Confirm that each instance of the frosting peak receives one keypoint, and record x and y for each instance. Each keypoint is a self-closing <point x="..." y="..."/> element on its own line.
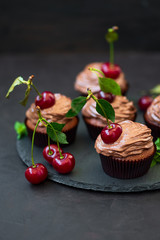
<point x="134" y="140"/>
<point x="153" y="111"/>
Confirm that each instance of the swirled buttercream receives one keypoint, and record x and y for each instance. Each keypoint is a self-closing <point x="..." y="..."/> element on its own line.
<point x="56" y="113"/>
<point x="87" y="79"/>
<point x="124" y="110"/>
<point x="153" y="111"/>
<point x="134" y="141"/>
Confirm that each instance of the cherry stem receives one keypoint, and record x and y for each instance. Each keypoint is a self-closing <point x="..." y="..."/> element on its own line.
<point x="49" y="143"/>
<point x="111" y="49"/>
<point x="44" y="120"/>
<point x="33" y="164"/>
<point x="96" y="70"/>
<point x="31" y="83"/>
<point x="90" y="95"/>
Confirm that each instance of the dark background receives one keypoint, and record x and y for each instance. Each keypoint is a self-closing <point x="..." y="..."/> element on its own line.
<point x="77" y="26"/>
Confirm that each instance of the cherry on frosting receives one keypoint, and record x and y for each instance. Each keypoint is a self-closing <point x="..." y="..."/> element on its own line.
<point x="46" y="100"/>
<point x="107" y="96"/>
<point x="36" y="174"/>
<point x="144" y="102"/>
<point x="64" y="165"/>
<point x="50" y="155"/>
<point x="110" y="135"/>
<point x="111" y="71"/>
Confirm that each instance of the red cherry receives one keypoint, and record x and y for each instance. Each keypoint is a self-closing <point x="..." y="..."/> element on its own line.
<point x="144" y="102"/>
<point x="36" y="175"/>
<point x="47" y="100"/>
<point x="111" y="71"/>
<point x="107" y="96"/>
<point x="64" y="165"/>
<point x="54" y="150"/>
<point x="110" y="135"/>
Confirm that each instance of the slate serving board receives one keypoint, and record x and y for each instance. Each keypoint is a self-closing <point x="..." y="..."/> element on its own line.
<point x="88" y="172"/>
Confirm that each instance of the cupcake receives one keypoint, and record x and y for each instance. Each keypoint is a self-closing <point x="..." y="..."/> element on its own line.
<point x="87" y="79"/>
<point x="130" y="155"/>
<point x="152" y="117"/>
<point x="124" y="110"/>
<point x="55" y="113"/>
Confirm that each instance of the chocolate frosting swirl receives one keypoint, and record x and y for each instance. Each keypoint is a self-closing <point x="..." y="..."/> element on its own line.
<point x="87" y="79"/>
<point x="56" y="113"/>
<point x="134" y="140"/>
<point x="124" y="110"/>
<point x="153" y="111"/>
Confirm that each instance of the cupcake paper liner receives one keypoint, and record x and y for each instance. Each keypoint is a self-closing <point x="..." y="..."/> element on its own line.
<point x="123" y="169"/>
<point x="41" y="139"/>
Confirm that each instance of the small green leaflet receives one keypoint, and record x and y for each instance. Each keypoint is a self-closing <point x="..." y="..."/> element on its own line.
<point x="24" y="101"/>
<point x="54" y="132"/>
<point x="20" y="129"/>
<point x="76" y="106"/>
<point x="156" y="158"/>
<point x="104" y="108"/>
<point x="17" y="81"/>
<point x="109" y="85"/>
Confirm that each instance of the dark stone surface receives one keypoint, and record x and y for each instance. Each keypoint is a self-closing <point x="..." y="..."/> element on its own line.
<point x="88" y="173"/>
<point x="52" y="210"/>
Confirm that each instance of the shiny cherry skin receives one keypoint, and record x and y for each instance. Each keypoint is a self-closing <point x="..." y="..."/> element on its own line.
<point x="47" y="100"/>
<point x="54" y="150"/>
<point x="144" y="102"/>
<point x="110" y="135"/>
<point x="107" y="96"/>
<point x="111" y="72"/>
<point x="64" y="165"/>
<point x="36" y="175"/>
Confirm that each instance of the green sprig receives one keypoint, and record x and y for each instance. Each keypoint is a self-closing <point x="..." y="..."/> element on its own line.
<point x="20" y="129"/>
<point x="156" y="158"/>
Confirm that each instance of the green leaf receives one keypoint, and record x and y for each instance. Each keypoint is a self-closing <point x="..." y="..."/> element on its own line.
<point x="153" y="163"/>
<point x="56" y="135"/>
<point x="76" y="106"/>
<point x="16" y="82"/>
<point x="155" y="90"/>
<point x="109" y="85"/>
<point x="157" y="142"/>
<point x="111" y="36"/>
<point x="24" y="101"/>
<point x="20" y="129"/>
<point x="104" y="108"/>
<point x="57" y="126"/>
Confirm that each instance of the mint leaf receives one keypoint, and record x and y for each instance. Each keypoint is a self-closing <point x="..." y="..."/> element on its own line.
<point x="16" y="82"/>
<point x="104" y="108"/>
<point x="157" y="142"/>
<point x="56" y="135"/>
<point x="20" y="129"/>
<point x="76" y="106"/>
<point x="156" y="158"/>
<point x="109" y="85"/>
<point x="153" y="163"/>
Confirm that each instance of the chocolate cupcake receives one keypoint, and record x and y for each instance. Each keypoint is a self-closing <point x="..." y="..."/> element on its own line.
<point x="55" y="113"/>
<point x="124" y="110"/>
<point x="87" y="79"/>
<point x="131" y="155"/>
<point x="152" y="117"/>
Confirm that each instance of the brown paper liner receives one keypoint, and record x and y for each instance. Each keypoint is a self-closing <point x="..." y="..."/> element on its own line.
<point x="155" y="128"/>
<point x="124" y="169"/>
<point x="41" y="139"/>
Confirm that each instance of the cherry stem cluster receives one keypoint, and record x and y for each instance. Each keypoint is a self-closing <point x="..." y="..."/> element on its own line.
<point x="31" y="83"/>
<point x="45" y="123"/>
<point x="90" y="95"/>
